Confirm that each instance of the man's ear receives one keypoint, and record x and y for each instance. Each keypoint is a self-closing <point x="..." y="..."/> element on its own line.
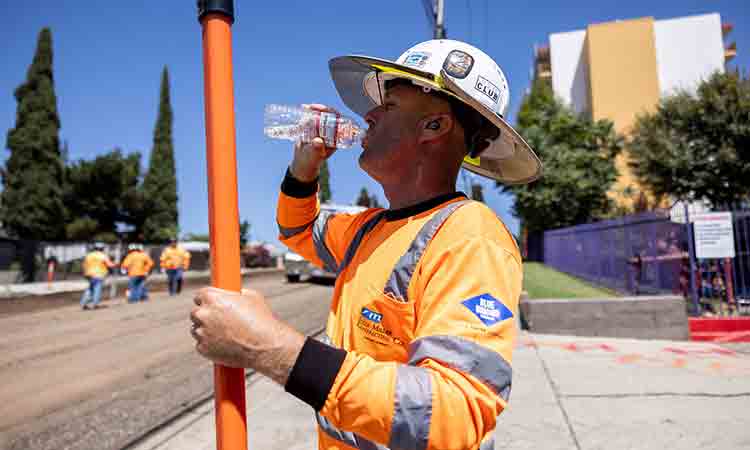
<point x="435" y="126"/>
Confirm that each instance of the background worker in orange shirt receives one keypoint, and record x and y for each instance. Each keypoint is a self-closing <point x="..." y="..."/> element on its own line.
<point x="421" y="328"/>
<point x="138" y="265"/>
<point x="175" y="260"/>
<point x="96" y="266"/>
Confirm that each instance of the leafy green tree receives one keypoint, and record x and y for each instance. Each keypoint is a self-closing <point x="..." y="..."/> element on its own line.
<point x="579" y="164"/>
<point x="367" y="200"/>
<point x="31" y="204"/>
<point x="102" y="193"/>
<point x="81" y="229"/>
<point x="159" y="190"/>
<point x="697" y="146"/>
<point x="325" y="183"/>
<point x="363" y="199"/>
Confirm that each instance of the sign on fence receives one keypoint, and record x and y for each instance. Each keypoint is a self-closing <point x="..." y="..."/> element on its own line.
<point x="714" y="235"/>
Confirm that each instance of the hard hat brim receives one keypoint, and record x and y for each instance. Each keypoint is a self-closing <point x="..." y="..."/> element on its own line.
<point x="509" y="159"/>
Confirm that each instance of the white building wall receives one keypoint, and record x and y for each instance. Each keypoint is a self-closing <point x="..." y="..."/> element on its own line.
<point x="569" y="69"/>
<point x="688" y="50"/>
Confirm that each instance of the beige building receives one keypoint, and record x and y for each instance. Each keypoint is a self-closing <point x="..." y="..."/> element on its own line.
<point x="618" y="70"/>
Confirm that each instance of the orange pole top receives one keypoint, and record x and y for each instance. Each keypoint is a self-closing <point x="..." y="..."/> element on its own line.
<point x="216" y="19"/>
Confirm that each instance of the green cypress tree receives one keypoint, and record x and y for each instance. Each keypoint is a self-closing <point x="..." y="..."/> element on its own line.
<point x="32" y="197"/>
<point x="324" y="180"/>
<point x="160" y="183"/>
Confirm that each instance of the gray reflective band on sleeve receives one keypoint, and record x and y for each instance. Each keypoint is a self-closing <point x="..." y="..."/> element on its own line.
<point x="341" y="436"/>
<point x="289" y="232"/>
<point x="346" y="437"/>
<point x="480" y="362"/>
<point x="412" y="409"/>
<point x="319" y="234"/>
<point x="398" y="283"/>
<point x="354" y="245"/>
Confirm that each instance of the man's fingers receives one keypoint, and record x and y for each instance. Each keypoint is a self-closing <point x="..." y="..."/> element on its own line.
<point x="198" y="299"/>
<point x="194" y="316"/>
<point x="208" y="295"/>
<point x="196" y="332"/>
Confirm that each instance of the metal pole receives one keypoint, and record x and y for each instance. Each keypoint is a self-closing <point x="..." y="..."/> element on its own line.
<point x="691" y="254"/>
<point x="440" y="20"/>
<point x="216" y="18"/>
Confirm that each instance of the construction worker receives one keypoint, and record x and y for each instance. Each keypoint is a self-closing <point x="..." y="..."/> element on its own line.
<point x="96" y="266"/>
<point x="138" y="265"/>
<point x="421" y="327"/>
<point x="175" y="260"/>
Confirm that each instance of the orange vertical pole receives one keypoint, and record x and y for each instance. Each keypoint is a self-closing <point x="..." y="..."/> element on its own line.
<point x="216" y="18"/>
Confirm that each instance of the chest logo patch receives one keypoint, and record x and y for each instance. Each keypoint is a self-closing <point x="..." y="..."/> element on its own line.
<point x="371" y="315"/>
<point x="488" y="309"/>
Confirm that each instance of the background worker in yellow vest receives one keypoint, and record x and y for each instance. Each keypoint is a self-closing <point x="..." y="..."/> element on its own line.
<point x="96" y="266"/>
<point x="137" y="264"/>
<point x="174" y="260"/>
<point x="421" y="326"/>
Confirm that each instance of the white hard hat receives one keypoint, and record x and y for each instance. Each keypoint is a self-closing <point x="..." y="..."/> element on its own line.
<point x="99" y="245"/>
<point x="459" y="70"/>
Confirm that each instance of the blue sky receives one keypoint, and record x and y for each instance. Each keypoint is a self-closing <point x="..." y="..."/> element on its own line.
<point x="109" y="57"/>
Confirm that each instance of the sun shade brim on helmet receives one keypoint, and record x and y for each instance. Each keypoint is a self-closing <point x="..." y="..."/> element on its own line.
<point x="351" y="74"/>
<point x="508" y="159"/>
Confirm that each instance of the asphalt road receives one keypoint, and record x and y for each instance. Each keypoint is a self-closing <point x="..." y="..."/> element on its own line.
<point x="76" y="379"/>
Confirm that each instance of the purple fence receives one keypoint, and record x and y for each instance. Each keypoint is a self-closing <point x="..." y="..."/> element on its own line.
<point x="648" y="254"/>
<point x="636" y="254"/>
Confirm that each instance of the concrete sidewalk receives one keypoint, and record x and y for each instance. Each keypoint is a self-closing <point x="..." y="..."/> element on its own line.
<point x="568" y="393"/>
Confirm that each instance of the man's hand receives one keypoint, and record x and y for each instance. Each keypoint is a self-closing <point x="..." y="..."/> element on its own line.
<point x="239" y="330"/>
<point x="309" y="157"/>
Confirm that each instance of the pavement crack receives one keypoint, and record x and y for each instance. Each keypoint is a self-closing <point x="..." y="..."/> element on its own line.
<point x="660" y="394"/>
<point x="558" y="399"/>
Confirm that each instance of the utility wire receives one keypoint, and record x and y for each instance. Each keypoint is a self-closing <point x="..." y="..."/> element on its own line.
<point x="429" y="11"/>
<point x="486" y="24"/>
<point x="470" y="19"/>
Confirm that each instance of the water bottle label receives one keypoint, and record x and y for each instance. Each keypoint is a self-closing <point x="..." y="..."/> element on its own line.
<point x="327" y="127"/>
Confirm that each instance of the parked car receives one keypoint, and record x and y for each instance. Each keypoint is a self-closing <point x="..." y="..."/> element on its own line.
<point x="298" y="268"/>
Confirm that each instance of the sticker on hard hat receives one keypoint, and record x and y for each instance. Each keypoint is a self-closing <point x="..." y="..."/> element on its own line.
<point x="484" y="86"/>
<point x="488" y="309"/>
<point x="417" y="59"/>
<point x="458" y="64"/>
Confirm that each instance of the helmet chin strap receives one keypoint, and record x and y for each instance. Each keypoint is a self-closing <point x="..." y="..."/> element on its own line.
<point x="380" y="92"/>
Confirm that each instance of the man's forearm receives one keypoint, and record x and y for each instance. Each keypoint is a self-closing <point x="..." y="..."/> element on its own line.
<point x="277" y="362"/>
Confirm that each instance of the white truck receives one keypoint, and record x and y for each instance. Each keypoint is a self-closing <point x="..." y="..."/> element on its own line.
<point x="298" y="268"/>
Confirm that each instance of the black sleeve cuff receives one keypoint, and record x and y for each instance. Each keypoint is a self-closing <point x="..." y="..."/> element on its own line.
<point x="296" y="188"/>
<point x="314" y="372"/>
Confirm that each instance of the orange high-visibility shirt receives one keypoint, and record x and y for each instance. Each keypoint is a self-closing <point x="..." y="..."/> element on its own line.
<point x="137" y="264"/>
<point x="95" y="264"/>
<point x="421" y="326"/>
<point x="175" y="258"/>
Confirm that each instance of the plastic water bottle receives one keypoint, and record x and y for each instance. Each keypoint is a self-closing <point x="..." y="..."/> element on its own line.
<point x="299" y="123"/>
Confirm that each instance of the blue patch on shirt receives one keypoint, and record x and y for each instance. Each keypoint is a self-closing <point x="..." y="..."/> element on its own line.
<point x="371" y="315"/>
<point x="488" y="309"/>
